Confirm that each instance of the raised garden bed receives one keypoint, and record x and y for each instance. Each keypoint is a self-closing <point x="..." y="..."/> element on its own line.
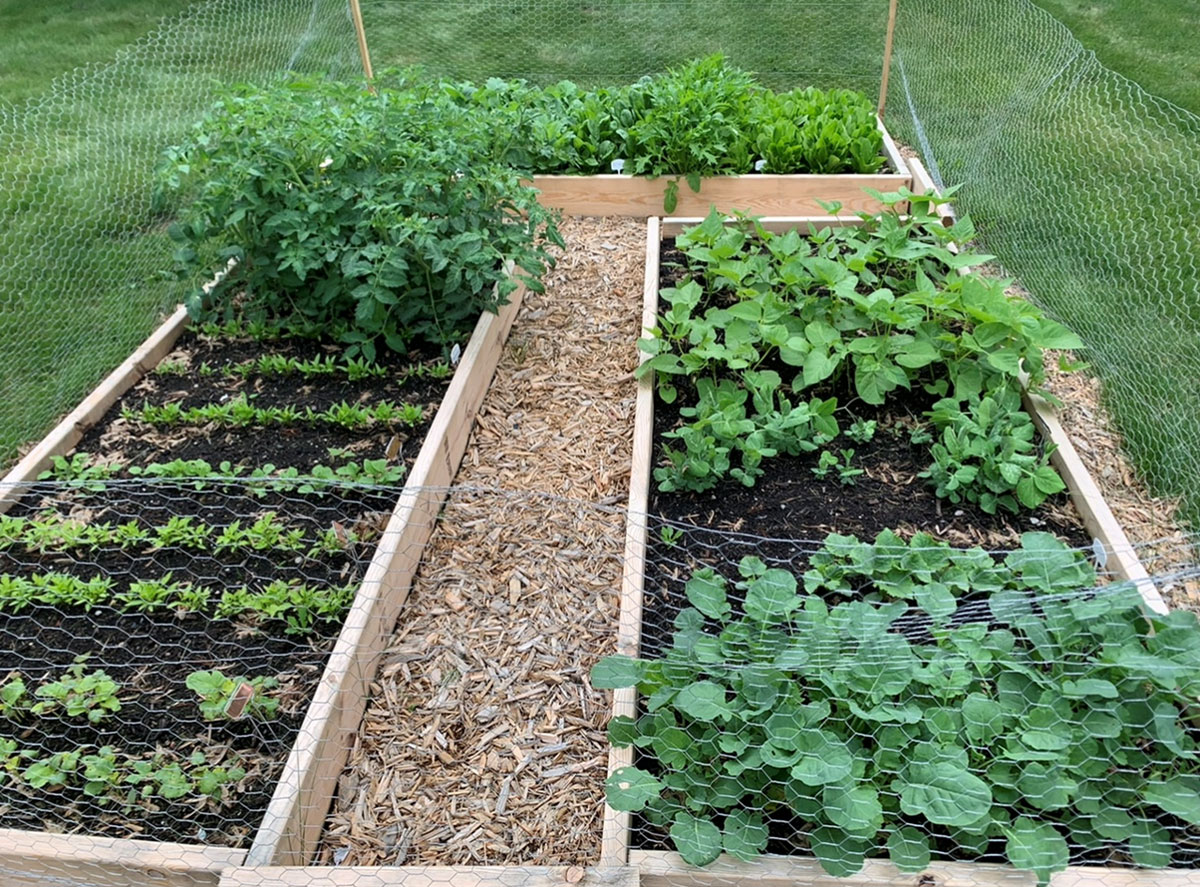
<point x="671" y="534"/>
<point x="787" y="196"/>
<point x="356" y="544"/>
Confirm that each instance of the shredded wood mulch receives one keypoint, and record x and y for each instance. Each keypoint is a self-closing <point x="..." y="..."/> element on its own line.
<point x="484" y="742"/>
<point x="1167" y="550"/>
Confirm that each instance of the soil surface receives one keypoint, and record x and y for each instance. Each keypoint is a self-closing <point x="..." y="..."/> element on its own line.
<point x="151" y="655"/>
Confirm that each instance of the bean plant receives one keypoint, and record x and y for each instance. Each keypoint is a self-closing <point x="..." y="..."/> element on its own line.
<point x="764" y="327"/>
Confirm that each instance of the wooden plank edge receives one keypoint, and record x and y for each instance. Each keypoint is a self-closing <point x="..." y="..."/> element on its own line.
<point x="113" y="860"/>
<point x="68" y="432"/>
<point x="292" y="825"/>
<point x="892" y="152"/>
<point x="639" y="197"/>
<point x="923" y="184"/>
<point x="675" y="225"/>
<point x="1122" y="556"/>
<point x="431" y="876"/>
<point x="666" y="869"/>
<point x="614" y="843"/>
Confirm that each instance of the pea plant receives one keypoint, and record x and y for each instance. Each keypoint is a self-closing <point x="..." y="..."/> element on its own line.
<point x="762" y="321"/>
<point x="917" y="701"/>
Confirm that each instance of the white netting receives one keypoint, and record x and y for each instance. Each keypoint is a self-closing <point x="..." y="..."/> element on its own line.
<point x="1085" y="185"/>
<point x="83" y="253"/>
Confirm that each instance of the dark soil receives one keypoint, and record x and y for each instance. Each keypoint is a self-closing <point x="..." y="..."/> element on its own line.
<point x="150" y="656"/>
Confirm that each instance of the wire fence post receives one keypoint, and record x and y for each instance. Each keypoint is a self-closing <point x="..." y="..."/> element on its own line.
<point x="360" y="31"/>
<point x="887" y="56"/>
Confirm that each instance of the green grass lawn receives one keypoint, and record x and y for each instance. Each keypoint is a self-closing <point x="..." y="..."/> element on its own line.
<point x="1156" y="44"/>
<point x="39" y="41"/>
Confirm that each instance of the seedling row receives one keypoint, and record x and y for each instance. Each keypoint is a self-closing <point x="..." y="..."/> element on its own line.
<point x="228" y="576"/>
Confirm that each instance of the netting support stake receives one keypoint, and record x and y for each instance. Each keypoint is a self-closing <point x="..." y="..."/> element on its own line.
<point x="360" y="31"/>
<point x="887" y="55"/>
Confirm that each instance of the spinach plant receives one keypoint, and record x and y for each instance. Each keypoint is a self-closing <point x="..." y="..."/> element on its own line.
<point x="1046" y="716"/>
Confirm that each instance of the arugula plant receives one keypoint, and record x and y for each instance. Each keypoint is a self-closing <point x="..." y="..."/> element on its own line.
<point x="1045" y="715"/>
<point x="987" y="454"/>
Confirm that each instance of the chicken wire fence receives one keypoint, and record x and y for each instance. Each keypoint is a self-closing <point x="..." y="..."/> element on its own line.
<point x="848" y="700"/>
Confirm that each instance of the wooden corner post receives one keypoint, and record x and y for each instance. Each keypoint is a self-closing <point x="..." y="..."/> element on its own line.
<point x="361" y="33"/>
<point x="887" y="55"/>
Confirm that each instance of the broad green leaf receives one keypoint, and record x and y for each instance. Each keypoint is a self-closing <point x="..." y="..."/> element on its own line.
<point x="629" y="789"/>
<point x="983" y="719"/>
<point x="1037" y="847"/>
<point x="826" y="758"/>
<point x="1150" y="844"/>
<point x="840" y="854"/>
<point x="706" y="592"/>
<point x="696" y="838"/>
<point x="909" y="850"/>
<point x="745" y="834"/>
<point x="704" y="701"/>
<point x="945" y="794"/>
<point x="615" y="672"/>
<point x="1178" y="795"/>
<point x="1113" y="823"/>
<point x="622" y="730"/>
<point x="856" y="809"/>
<point x="1089" y="687"/>
<point x="936" y="599"/>
<point x="772" y="596"/>
<point x="1045" y="787"/>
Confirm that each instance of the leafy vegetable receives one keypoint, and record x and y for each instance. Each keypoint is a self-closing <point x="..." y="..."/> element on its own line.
<point x="1042" y="714"/>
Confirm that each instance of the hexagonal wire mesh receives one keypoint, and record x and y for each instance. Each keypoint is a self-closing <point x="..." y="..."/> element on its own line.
<point x="1027" y="707"/>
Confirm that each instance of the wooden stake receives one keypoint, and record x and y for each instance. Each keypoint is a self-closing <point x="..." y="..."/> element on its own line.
<point x="887" y="56"/>
<point x="356" y="15"/>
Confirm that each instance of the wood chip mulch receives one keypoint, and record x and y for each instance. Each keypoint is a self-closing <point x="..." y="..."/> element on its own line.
<point x="484" y="742"/>
<point x="1168" y="552"/>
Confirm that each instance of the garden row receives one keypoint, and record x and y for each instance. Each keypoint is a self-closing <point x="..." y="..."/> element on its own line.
<point x="859" y="620"/>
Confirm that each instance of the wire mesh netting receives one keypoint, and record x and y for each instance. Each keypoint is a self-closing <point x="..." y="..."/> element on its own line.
<point x="795" y="706"/>
<point x="1084" y="184"/>
<point x="85" y="259"/>
<point x="837" y="698"/>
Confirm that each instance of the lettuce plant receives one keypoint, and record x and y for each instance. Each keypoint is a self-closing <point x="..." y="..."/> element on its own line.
<point x="1014" y="708"/>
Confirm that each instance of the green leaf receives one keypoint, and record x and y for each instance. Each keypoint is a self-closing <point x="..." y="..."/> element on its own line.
<point x="615" y="672"/>
<point x="983" y="719"/>
<point x="1150" y="844"/>
<point x="622" y="730"/>
<point x="629" y="789"/>
<point x="936" y="599"/>
<point x="856" y="809"/>
<point x="696" y="838"/>
<point x="704" y="701"/>
<point x="1037" y="847"/>
<point x="1178" y="795"/>
<point x="706" y="592"/>
<point x="840" y="854"/>
<point x="945" y="794"/>
<point x="1113" y="823"/>
<point x="826" y="758"/>
<point x="745" y="834"/>
<point x="771" y="597"/>
<point x="909" y="850"/>
<point x="1089" y="687"/>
